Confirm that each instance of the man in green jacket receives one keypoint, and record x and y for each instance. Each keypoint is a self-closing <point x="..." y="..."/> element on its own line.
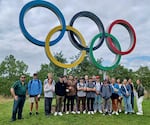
<point x="18" y="91"/>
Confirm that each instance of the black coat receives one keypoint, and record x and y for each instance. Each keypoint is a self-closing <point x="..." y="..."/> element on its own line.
<point x="60" y="89"/>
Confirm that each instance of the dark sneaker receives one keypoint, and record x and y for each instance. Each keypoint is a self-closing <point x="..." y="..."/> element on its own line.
<point x="47" y="115"/>
<point x="30" y="113"/>
<point x="20" y="118"/>
<point x="37" y="113"/>
<point x="12" y="120"/>
<point x="130" y="113"/>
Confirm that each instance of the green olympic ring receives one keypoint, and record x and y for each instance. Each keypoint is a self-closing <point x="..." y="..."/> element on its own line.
<point x="118" y="56"/>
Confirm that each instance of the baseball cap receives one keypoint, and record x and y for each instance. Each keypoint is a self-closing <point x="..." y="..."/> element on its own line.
<point x="97" y="77"/>
<point x="35" y="74"/>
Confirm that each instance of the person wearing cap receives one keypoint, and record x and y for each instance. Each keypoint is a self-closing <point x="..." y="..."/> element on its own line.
<point x="60" y="91"/>
<point x="34" y="91"/>
<point x="97" y="102"/>
<point x="49" y="89"/>
<point x="18" y="91"/>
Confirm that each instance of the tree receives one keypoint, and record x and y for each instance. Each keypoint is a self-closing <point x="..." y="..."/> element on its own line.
<point x="58" y="70"/>
<point x="10" y="71"/>
<point x="11" y="67"/>
<point x="45" y="68"/>
<point x="121" y="72"/>
<point x="84" y="68"/>
<point x="143" y="73"/>
<point x="51" y="67"/>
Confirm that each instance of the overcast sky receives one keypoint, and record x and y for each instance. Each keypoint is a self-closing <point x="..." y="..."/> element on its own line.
<point x="39" y="21"/>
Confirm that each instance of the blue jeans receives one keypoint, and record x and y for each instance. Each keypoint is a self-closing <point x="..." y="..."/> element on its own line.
<point x="97" y="103"/>
<point x="127" y="103"/>
<point x="18" y="107"/>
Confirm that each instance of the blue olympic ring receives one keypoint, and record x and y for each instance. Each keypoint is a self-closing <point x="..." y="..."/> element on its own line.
<point x="51" y="7"/>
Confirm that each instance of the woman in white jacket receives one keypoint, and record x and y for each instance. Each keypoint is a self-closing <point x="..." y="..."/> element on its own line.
<point x="49" y="89"/>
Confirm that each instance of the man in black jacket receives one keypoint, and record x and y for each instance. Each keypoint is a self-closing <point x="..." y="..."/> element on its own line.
<point x="60" y="90"/>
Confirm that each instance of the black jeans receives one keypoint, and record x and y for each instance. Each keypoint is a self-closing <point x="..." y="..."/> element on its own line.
<point x="132" y="100"/>
<point x="18" y="107"/>
<point x="48" y="105"/>
<point x="64" y="105"/>
<point x="90" y="102"/>
<point x="70" y="99"/>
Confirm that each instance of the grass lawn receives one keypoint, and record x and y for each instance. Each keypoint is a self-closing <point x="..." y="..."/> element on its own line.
<point x="82" y="119"/>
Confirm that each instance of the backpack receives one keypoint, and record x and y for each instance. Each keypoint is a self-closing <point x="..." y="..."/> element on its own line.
<point x="38" y="83"/>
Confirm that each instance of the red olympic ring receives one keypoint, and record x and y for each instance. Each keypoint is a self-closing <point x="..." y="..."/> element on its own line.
<point x="131" y="31"/>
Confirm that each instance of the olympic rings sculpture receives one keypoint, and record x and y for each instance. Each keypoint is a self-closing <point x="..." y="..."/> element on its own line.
<point x="111" y="41"/>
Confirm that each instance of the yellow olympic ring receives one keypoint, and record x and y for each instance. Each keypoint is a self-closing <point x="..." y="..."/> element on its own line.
<point x="53" y="59"/>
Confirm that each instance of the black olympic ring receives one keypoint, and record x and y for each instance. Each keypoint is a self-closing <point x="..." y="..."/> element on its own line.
<point x="99" y="24"/>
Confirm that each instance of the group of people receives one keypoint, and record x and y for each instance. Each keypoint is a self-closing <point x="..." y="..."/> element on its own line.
<point x="96" y="96"/>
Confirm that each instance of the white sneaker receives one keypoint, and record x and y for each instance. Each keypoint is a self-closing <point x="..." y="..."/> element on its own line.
<point x="92" y="112"/>
<point x="78" y="112"/>
<point x="120" y="110"/>
<point x="73" y="112"/>
<point x="55" y="114"/>
<point x="67" y="113"/>
<point x="126" y="113"/>
<point x="59" y="113"/>
<point x="113" y="113"/>
<point x="100" y="112"/>
<point x="84" y="112"/>
<point x="139" y="113"/>
<point x="117" y="113"/>
<point x="95" y="111"/>
<point x="89" y="112"/>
